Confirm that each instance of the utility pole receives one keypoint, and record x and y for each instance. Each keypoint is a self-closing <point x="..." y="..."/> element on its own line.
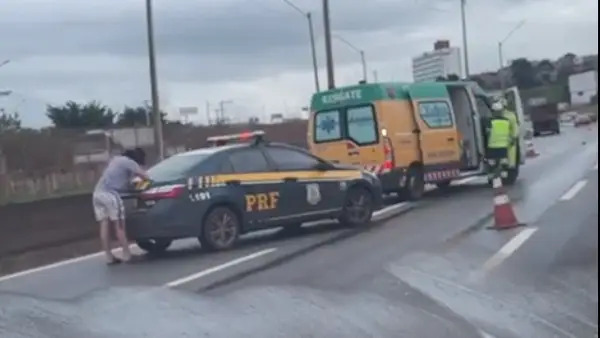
<point x="158" y="134"/>
<point x="221" y="116"/>
<point x="375" y="76"/>
<point x="364" y="65"/>
<point x="464" y="37"/>
<point x="328" y="49"/>
<point x="208" y="119"/>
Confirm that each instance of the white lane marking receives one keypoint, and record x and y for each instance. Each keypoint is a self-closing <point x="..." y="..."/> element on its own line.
<point x="132" y="247"/>
<point x="574" y="190"/>
<point x="508" y="249"/>
<point x="218" y="268"/>
<point x="389" y="208"/>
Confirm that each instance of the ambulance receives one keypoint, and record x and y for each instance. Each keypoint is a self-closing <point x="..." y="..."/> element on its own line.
<point x="409" y="134"/>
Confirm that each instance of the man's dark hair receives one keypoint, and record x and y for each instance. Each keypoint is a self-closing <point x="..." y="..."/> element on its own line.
<point x="141" y="156"/>
<point x="133" y="155"/>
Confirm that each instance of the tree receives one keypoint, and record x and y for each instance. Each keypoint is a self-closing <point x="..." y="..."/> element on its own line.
<point x="138" y="116"/>
<point x="9" y="121"/>
<point x="523" y="73"/>
<point x="74" y="115"/>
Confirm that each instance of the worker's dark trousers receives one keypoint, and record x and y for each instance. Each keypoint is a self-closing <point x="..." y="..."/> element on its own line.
<point x="497" y="159"/>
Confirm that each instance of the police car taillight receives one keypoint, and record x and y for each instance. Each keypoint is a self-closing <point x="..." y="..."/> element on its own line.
<point x="163" y="192"/>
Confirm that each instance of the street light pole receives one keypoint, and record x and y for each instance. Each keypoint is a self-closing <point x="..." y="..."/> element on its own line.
<point x="158" y="133"/>
<point x="308" y="16"/>
<point x="328" y="49"/>
<point x="500" y="52"/>
<point x="360" y="51"/>
<point x="464" y="37"/>
<point x="313" y="51"/>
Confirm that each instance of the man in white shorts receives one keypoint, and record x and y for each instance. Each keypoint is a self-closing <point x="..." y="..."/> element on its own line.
<point x="108" y="205"/>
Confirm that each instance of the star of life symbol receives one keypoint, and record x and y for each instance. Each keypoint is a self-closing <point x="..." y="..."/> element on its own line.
<point x="327" y="125"/>
<point x="313" y="194"/>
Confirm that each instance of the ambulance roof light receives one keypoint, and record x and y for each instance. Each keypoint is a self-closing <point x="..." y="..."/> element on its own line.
<point x="246" y="136"/>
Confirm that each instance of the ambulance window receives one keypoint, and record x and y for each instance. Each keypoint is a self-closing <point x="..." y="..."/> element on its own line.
<point x="436" y="114"/>
<point x="289" y="159"/>
<point x="328" y="126"/>
<point x="362" y="128"/>
<point x="249" y="160"/>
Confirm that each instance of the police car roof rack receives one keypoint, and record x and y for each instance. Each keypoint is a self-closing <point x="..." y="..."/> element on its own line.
<point x="256" y="136"/>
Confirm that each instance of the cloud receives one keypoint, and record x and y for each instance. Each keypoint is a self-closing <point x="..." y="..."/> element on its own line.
<point x="256" y="51"/>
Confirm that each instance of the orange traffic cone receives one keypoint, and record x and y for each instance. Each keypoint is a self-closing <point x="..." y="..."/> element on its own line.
<point x="530" y="152"/>
<point x="504" y="215"/>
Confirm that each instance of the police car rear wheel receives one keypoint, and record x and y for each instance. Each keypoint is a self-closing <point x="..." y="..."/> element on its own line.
<point x="358" y="208"/>
<point x="154" y="246"/>
<point x="220" y="229"/>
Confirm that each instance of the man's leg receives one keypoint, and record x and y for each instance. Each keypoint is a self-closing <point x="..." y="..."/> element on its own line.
<point x="101" y="204"/>
<point x="106" y="240"/>
<point x="122" y="238"/>
<point x="118" y="215"/>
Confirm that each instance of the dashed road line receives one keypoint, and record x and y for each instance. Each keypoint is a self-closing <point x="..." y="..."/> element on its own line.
<point x="573" y="191"/>
<point x="508" y="249"/>
<point x="218" y="268"/>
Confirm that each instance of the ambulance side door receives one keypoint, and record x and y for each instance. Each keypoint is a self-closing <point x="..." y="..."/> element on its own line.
<point x="438" y="135"/>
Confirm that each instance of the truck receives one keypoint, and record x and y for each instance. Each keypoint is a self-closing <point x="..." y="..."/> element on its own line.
<point x="408" y="134"/>
<point x="544" y="117"/>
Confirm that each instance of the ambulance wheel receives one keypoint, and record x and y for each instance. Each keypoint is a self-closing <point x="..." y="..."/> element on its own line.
<point x="415" y="185"/>
<point x="220" y="229"/>
<point x="154" y="246"/>
<point x="358" y="208"/>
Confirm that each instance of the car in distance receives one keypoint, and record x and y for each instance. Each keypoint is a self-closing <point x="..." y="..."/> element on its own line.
<point x="242" y="183"/>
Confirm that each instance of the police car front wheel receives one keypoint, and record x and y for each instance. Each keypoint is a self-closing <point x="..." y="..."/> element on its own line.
<point x="220" y="229"/>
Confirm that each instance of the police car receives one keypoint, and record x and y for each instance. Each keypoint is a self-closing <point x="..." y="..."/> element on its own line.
<point x="242" y="183"/>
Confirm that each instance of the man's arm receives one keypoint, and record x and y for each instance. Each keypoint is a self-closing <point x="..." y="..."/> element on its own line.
<point x="137" y="170"/>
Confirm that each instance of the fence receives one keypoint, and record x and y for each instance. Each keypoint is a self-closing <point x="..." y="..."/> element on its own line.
<point x="21" y="188"/>
<point x="42" y="164"/>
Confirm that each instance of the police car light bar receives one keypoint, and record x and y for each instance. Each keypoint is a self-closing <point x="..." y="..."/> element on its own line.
<point x="245" y="136"/>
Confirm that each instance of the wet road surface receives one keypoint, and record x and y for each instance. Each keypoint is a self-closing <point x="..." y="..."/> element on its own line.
<point x="434" y="271"/>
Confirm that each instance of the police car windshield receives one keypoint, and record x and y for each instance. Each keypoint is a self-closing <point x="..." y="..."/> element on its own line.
<point x="176" y="167"/>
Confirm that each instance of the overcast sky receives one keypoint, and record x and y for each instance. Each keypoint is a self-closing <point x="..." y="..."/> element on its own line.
<point x="254" y="52"/>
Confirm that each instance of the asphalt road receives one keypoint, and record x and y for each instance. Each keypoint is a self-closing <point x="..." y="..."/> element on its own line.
<point x="433" y="271"/>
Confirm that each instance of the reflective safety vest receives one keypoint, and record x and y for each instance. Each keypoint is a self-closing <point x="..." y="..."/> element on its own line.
<point x="500" y="133"/>
<point x="514" y="121"/>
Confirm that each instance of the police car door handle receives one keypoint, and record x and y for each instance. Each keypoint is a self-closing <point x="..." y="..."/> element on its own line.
<point x="450" y="138"/>
<point x="233" y="182"/>
<point x="290" y="179"/>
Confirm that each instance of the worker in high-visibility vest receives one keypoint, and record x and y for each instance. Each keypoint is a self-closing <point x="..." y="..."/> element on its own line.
<point x="499" y="140"/>
<point x="514" y="124"/>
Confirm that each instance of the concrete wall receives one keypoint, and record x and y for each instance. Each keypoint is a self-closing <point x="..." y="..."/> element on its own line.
<point x="45" y="223"/>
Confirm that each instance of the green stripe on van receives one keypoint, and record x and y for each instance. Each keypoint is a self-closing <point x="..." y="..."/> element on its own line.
<point x="370" y="92"/>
